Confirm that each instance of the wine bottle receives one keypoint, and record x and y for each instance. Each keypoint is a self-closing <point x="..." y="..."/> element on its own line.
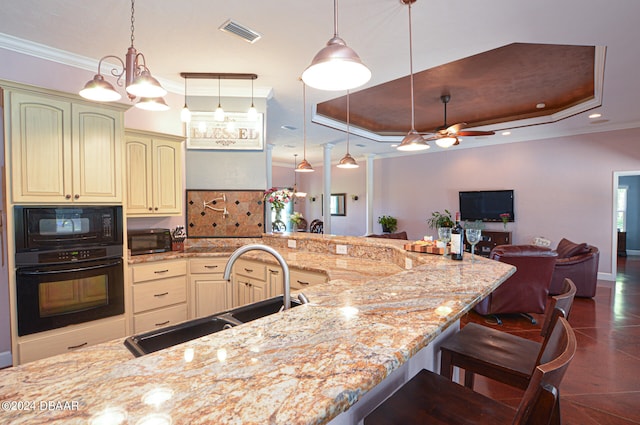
<point x="457" y="240"/>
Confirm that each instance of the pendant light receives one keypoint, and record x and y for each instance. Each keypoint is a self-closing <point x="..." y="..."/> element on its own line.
<point x="138" y="81"/>
<point x="412" y="141"/>
<point x="347" y="161"/>
<point x="152" y="104"/>
<point x="336" y="66"/>
<point x="185" y="114"/>
<point x="219" y="113"/>
<point x="252" y="114"/>
<point x="304" y="166"/>
<point x="296" y="193"/>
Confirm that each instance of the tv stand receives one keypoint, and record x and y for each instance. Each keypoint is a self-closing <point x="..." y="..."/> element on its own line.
<point x="489" y="240"/>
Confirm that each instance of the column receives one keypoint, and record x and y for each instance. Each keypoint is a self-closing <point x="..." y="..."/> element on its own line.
<point x="369" y="191"/>
<point x="326" y="189"/>
<point x="269" y="168"/>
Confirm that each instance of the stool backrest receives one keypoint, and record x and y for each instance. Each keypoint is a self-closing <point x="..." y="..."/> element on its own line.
<point x="540" y="398"/>
<point x="564" y="301"/>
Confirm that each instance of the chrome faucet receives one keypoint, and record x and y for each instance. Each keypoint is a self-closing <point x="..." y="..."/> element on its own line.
<point x="258" y="247"/>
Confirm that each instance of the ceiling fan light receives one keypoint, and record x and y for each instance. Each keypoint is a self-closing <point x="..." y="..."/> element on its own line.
<point x="152" y="104"/>
<point x="146" y="86"/>
<point x="99" y="90"/>
<point x="347" y="162"/>
<point x="413" y="142"/>
<point x="304" y="167"/>
<point x="446" y="142"/>
<point x="336" y="67"/>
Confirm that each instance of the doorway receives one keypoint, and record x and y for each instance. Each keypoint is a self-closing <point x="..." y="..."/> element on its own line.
<point x="625" y="214"/>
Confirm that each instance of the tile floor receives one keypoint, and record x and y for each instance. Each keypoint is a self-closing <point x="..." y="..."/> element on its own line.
<point x="602" y="385"/>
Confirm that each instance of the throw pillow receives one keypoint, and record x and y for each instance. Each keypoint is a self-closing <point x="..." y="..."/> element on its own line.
<point x="567" y="249"/>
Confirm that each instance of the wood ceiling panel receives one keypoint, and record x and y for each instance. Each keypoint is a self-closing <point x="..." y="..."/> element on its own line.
<point x="497" y="86"/>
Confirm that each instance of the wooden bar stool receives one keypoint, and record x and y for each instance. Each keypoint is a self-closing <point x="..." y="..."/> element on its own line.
<point x="498" y="355"/>
<point x="429" y="398"/>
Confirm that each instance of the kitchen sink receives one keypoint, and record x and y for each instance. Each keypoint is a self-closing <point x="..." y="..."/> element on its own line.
<point x="159" y="339"/>
<point x="260" y="309"/>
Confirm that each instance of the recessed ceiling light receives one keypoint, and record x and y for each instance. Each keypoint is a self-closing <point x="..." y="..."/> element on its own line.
<point x="288" y="127"/>
<point x="395" y="145"/>
<point x="506" y="133"/>
<point x="541" y="105"/>
<point x="595" y="115"/>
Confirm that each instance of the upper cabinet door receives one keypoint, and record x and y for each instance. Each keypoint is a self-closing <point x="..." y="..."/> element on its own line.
<point x="97" y="170"/>
<point x="167" y="176"/>
<point x="64" y="152"/>
<point x="40" y="149"/>
<point x="139" y="198"/>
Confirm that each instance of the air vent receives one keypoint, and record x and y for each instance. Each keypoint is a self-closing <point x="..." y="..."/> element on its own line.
<point x="243" y="32"/>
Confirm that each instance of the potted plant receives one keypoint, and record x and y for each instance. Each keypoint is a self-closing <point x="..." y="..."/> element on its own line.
<point x="439" y="219"/>
<point x="389" y="224"/>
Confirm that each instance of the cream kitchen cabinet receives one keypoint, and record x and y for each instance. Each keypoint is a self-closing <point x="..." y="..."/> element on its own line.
<point x="154" y="174"/>
<point x="159" y="294"/>
<point x="275" y="279"/>
<point x="64" y="151"/>
<point x="301" y="279"/>
<point x="249" y="282"/>
<point x="70" y="338"/>
<point x="210" y="293"/>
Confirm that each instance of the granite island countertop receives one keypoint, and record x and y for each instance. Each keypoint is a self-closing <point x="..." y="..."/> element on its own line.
<point x="302" y="366"/>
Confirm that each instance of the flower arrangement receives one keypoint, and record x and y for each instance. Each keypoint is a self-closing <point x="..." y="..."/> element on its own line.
<point x="277" y="197"/>
<point x="296" y="218"/>
<point x="505" y="219"/>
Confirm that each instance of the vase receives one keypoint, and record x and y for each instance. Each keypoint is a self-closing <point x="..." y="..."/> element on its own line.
<point x="278" y="225"/>
<point x="505" y="225"/>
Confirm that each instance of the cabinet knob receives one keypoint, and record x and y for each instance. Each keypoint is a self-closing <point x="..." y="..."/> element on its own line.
<point x="76" y="196"/>
<point x="150" y="209"/>
<point x="67" y="196"/>
<point x="156" y="208"/>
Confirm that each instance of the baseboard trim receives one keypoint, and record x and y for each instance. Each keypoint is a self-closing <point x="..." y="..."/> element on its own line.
<point x="606" y="276"/>
<point x="6" y="359"/>
<point x="633" y="252"/>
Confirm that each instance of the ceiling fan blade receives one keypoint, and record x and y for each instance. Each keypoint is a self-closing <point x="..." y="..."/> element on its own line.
<point x="476" y="133"/>
<point x="455" y="128"/>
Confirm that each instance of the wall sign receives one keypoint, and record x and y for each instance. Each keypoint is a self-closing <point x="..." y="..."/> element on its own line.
<point x="236" y="132"/>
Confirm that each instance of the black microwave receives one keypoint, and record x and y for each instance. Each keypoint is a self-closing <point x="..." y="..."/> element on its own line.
<point x="149" y="241"/>
<point x="44" y="231"/>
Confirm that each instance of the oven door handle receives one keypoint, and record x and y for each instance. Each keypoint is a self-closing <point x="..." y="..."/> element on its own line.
<point x="79" y="269"/>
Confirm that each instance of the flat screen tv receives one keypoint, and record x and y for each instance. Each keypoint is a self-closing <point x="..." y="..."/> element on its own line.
<point x="486" y="205"/>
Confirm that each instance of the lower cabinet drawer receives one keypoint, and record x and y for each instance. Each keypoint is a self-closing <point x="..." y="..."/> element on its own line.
<point x="160" y="293"/>
<point x="301" y="279"/>
<point x="160" y="318"/>
<point x="158" y="270"/>
<point x="72" y="339"/>
<point x="208" y="266"/>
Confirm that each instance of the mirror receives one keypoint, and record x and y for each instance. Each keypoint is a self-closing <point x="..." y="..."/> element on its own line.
<point x="338" y="204"/>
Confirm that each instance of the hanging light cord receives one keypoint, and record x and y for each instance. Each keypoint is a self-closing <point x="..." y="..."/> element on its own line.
<point x="133" y="19"/>
<point x="335" y="18"/>
<point x="219" y="106"/>
<point x="252" y="93"/>
<point x="348" y="121"/>
<point x="413" y="112"/>
<point x="185" y="92"/>
<point x="304" y="117"/>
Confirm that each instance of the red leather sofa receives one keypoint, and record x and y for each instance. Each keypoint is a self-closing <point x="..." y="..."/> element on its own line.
<point x="578" y="262"/>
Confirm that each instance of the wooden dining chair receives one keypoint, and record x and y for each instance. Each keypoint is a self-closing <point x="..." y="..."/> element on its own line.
<point x="429" y="398"/>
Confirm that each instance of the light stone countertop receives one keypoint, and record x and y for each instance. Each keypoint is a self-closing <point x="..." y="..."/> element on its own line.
<point x="301" y="366"/>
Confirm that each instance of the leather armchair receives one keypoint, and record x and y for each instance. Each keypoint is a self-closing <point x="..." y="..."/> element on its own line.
<point x="578" y="262"/>
<point x="526" y="291"/>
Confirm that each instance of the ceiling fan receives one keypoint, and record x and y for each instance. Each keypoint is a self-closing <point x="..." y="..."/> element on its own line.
<point x="447" y="135"/>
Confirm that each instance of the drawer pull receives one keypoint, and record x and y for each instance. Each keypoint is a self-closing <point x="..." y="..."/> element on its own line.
<point x="248" y="270"/>
<point x="210" y="267"/>
<point x="73" y="347"/>
<point x="161" y="295"/>
<point x="161" y="271"/>
<point x="163" y="323"/>
<point x="274" y="271"/>
<point x="302" y="283"/>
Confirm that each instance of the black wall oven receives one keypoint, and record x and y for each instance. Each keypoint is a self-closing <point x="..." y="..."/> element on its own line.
<point x="69" y="265"/>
